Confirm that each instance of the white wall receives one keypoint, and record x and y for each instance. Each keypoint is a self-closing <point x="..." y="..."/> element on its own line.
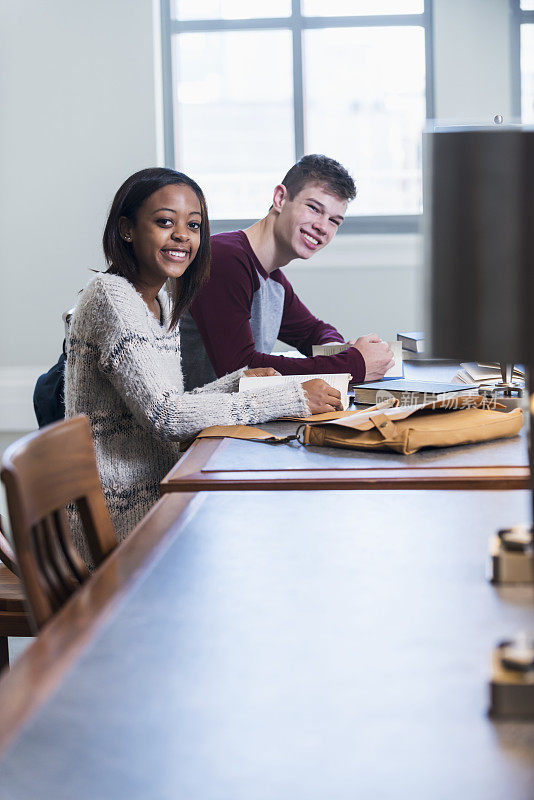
<point x="78" y="116"/>
<point x="363" y="284"/>
<point x="78" y="99"/>
<point x="472" y="59"/>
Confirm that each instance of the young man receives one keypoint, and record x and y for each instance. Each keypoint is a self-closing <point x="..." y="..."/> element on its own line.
<point x="248" y="303"/>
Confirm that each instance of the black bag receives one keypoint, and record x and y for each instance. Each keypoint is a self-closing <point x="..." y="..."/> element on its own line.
<point x="48" y="395"/>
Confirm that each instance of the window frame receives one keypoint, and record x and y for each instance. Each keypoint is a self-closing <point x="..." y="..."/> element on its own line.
<point x="519" y="16"/>
<point x="297" y="23"/>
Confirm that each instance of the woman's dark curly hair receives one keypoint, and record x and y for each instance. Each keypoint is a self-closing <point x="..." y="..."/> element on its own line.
<point x="120" y="255"/>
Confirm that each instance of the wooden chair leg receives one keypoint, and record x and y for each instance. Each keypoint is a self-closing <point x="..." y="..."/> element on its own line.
<point x="4" y="652"/>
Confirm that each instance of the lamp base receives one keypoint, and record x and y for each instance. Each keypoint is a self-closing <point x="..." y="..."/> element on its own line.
<point x="496" y="390"/>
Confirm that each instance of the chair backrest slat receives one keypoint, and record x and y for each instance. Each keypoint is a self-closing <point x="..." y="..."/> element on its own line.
<point x="43" y="473"/>
<point x="42" y="555"/>
<point x="76" y="563"/>
<point x="65" y="578"/>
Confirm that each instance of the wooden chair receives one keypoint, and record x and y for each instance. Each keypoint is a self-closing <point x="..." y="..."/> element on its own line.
<point x="42" y="474"/>
<point x="14" y="619"/>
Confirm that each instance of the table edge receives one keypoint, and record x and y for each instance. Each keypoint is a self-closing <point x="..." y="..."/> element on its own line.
<point x="61" y="643"/>
<point x="187" y="475"/>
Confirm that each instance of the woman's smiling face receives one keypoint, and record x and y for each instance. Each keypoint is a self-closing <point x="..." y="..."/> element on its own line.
<point x="165" y="234"/>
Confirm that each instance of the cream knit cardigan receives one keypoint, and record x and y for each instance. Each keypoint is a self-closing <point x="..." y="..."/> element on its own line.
<point x="123" y="371"/>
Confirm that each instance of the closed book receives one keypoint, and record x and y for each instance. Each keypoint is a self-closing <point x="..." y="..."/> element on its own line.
<point x="414" y="341"/>
<point x="410" y="392"/>
<point x="330" y="349"/>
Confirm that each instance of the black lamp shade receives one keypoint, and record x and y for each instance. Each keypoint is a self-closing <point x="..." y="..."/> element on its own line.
<point x="479" y="244"/>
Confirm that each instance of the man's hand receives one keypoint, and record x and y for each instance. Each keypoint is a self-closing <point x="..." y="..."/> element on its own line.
<point x="260" y="372"/>
<point x="321" y="397"/>
<point x="377" y="355"/>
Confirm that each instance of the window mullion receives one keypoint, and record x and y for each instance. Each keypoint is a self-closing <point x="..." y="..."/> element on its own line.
<point x="429" y="62"/>
<point x="168" y="84"/>
<point x="298" y="82"/>
<point x="515" y="58"/>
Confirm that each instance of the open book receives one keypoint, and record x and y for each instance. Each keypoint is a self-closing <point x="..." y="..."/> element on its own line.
<point x="339" y="381"/>
<point x="396" y="371"/>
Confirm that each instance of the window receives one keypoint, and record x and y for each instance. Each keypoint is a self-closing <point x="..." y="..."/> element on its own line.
<point x="523" y="60"/>
<point x="247" y="93"/>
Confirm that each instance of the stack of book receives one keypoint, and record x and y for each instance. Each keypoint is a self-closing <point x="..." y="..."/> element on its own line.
<point x="485" y="374"/>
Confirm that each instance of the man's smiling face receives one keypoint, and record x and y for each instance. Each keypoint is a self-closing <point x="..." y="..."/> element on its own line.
<point x="309" y="222"/>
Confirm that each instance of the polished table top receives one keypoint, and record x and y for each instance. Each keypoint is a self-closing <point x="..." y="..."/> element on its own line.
<point x="242" y="455"/>
<point x="233" y="463"/>
<point x="294" y="645"/>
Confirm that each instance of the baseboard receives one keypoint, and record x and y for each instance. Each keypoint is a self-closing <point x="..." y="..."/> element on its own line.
<point x="16" y="398"/>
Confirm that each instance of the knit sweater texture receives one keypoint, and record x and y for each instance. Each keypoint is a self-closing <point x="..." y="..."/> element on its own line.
<point x="123" y="371"/>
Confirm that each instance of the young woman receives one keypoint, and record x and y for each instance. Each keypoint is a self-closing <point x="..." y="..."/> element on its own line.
<point x="123" y="359"/>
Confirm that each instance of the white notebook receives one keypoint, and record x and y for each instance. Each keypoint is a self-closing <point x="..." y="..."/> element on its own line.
<point x="338" y="380"/>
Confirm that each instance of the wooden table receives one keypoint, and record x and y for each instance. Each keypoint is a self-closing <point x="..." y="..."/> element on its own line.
<point x="264" y="646"/>
<point x="212" y="464"/>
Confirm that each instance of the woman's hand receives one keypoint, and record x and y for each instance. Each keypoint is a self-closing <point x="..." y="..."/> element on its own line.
<point x="321" y="397"/>
<point x="260" y="372"/>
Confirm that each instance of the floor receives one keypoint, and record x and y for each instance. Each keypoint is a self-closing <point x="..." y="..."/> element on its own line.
<point x="17" y="645"/>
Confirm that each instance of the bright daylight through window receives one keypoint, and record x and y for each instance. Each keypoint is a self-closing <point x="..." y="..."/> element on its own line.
<point x="527" y="73"/>
<point x="253" y="84"/>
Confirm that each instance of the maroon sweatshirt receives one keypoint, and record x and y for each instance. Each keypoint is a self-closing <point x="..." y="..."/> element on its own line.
<point x="241" y="312"/>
